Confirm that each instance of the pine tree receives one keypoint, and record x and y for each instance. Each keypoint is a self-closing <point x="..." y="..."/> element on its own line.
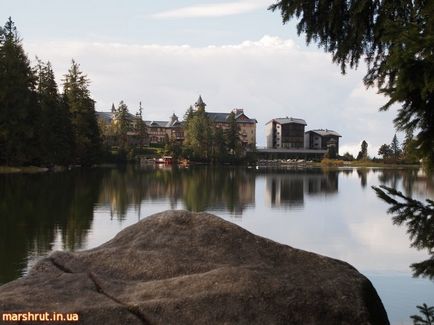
<point x="363" y="153"/>
<point x="427" y="312"/>
<point x="140" y="126"/>
<point x="87" y="142"/>
<point x="419" y="218"/>
<point x="385" y="151"/>
<point x="188" y="114"/>
<point x="122" y="124"/>
<point x="232" y="137"/>
<point x="54" y="124"/>
<point x="198" y="134"/>
<point x="188" y="117"/>
<point x="219" y="145"/>
<point x="409" y="147"/>
<point x="348" y="157"/>
<point x="331" y="152"/>
<point x="18" y="107"/>
<point x="394" y="146"/>
<point x="396" y="38"/>
<point x="140" y="112"/>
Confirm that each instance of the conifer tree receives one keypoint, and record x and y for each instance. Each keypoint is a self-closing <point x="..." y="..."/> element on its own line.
<point x="396" y="38"/>
<point x="18" y="107"/>
<point x="54" y="125"/>
<point x="419" y="218"/>
<point x="409" y="148"/>
<point x="232" y="136"/>
<point x="394" y="146"/>
<point x="331" y="152"/>
<point x="198" y="133"/>
<point x="385" y="151"/>
<point x="140" y="126"/>
<point x="87" y="143"/>
<point x="219" y="145"/>
<point x="348" y="157"/>
<point x="363" y="153"/>
<point x="122" y="124"/>
<point x="428" y="315"/>
<point x="188" y="117"/>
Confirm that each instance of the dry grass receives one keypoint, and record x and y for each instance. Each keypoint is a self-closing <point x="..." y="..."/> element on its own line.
<point x="332" y="162"/>
<point x="23" y="170"/>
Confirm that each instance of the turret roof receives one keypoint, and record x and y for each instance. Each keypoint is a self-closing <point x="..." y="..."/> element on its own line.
<point x="200" y="102"/>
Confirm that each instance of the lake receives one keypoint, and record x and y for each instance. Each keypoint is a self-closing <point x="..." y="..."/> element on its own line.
<point x="329" y="212"/>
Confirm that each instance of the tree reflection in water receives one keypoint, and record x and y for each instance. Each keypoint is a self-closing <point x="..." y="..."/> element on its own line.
<point x="35" y="209"/>
<point x="198" y="189"/>
<point x="39" y="213"/>
<point x="419" y="218"/>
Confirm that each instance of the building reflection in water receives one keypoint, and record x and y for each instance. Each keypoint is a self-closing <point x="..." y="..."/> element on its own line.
<point x="288" y="188"/>
<point x="195" y="189"/>
<point x="39" y="213"/>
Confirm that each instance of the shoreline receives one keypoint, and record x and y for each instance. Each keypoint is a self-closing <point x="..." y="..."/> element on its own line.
<point x="275" y="164"/>
<point x="22" y="170"/>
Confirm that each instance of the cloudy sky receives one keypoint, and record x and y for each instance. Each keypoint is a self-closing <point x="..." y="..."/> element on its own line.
<point x="236" y="54"/>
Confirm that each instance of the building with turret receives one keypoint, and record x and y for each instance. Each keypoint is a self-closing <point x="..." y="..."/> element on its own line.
<point x="160" y="131"/>
<point x="246" y="125"/>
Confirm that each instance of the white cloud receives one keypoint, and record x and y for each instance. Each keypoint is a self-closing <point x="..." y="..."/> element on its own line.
<point x="361" y="113"/>
<point x="352" y="148"/>
<point x="269" y="78"/>
<point x="213" y="10"/>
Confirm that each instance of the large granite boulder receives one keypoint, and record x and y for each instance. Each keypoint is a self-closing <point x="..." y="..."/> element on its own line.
<point x="178" y="267"/>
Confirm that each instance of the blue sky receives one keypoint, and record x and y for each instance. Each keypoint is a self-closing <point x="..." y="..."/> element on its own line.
<point x="197" y="23"/>
<point x="236" y="54"/>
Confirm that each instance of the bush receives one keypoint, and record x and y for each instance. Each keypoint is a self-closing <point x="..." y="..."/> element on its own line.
<point x="332" y="162"/>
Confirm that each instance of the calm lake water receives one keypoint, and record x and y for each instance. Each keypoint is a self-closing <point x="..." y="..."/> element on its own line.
<point x="334" y="213"/>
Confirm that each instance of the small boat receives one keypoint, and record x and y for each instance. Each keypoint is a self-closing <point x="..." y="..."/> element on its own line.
<point x="184" y="163"/>
<point x="166" y="160"/>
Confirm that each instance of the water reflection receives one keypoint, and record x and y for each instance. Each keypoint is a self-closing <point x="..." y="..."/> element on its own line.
<point x="414" y="182"/>
<point x="363" y="173"/>
<point x="288" y="188"/>
<point x="41" y="212"/>
<point x="330" y="212"/>
<point x="416" y="215"/>
<point x="199" y="189"/>
<point x="34" y="209"/>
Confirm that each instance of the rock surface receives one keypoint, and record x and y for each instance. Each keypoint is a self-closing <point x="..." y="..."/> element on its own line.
<point x="178" y="267"/>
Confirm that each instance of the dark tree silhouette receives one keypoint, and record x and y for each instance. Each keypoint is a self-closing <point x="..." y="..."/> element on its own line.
<point x="419" y="218"/>
<point x="427" y="312"/>
<point x="396" y="38"/>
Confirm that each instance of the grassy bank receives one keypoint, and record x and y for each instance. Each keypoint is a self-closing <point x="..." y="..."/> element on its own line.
<point x="364" y="164"/>
<point x="23" y="170"/>
<point x="367" y="163"/>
